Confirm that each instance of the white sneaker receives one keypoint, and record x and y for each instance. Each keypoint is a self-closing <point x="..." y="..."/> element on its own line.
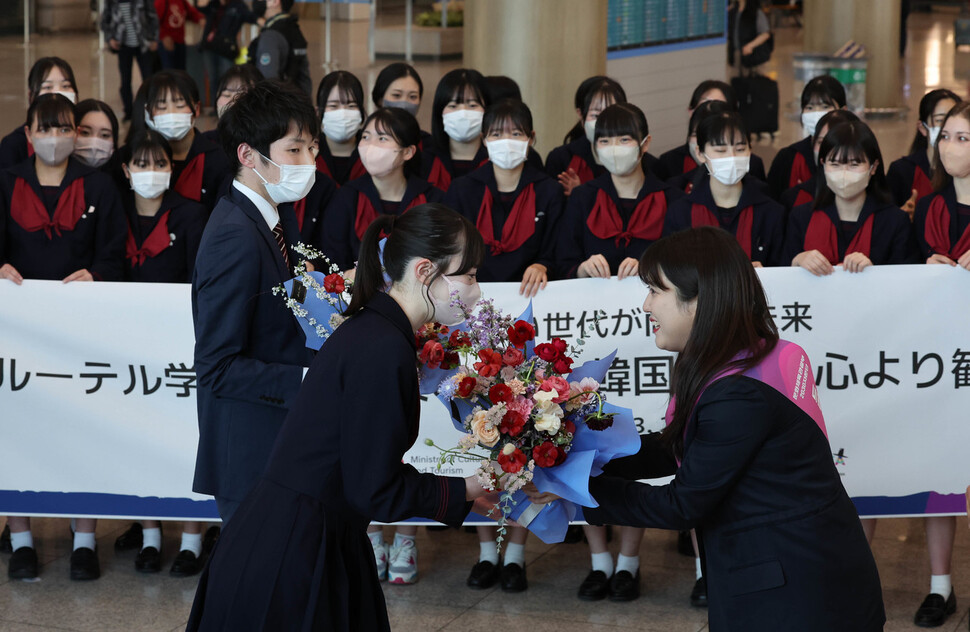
<point x="404" y="563"/>
<point x="380" y="556"/>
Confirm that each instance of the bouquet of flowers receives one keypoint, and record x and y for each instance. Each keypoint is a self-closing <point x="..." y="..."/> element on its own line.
<point x="317" y="299"/>
<point x="535" y="417"/>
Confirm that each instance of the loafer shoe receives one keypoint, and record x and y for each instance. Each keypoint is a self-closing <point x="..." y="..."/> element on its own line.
<point x="131" y="539"/>
<point x="186" y="564"/>
<point x="596" y="586"/>
<point x="209" y="540"/>
<point x="5" y="546"/>
<point x="513" y="578"/>
<point x="935" y="609"/>
<point x="85" y="565"/>
<point x="484" y="575"/>
<point x="23" y="563"/>
<point x="148" y="560"/>
<point x="625" y="586"/>
<point x="698" y="596"/>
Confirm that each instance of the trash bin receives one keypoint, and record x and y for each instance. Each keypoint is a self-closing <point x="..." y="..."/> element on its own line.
<point x="851" y="72"/>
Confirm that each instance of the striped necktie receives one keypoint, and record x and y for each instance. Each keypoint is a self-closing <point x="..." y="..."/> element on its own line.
<point x="278" y="233"/>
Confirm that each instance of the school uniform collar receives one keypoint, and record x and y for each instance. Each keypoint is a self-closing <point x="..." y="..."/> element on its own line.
<point x="170" y="200"/>
<point x="324" y="151"/>
<point x="201" y="144"/>
<point x="387" y="307"/>
<point x="486" y="175"/>
<point x="75" y="169"/>
<point x="267" y="212"/>
<point x="752" y="193"/>
<point x="364" y="185"/>
<point x="583" y="148"/>
<point x="920" y="160"/>
<point x="871" y="206"/>
<point x="651" y="184"/>
<point x="444" y="155"/>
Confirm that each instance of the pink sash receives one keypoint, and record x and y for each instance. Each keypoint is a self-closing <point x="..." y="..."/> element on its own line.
<point x="786" y="369"/>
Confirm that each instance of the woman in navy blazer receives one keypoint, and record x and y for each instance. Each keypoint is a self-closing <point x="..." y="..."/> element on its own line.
<point x="781" y="542"/>
<point x="296" y="556"/>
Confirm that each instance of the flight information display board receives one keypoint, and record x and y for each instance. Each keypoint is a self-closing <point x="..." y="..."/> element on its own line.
<point x="645" y="23"/>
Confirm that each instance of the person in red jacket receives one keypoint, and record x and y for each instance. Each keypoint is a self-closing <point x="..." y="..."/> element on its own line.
<point x="172" y="15"/>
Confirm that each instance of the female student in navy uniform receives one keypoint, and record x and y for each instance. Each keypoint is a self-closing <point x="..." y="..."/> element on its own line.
<point x="340" y="102"/>
<point x="295" y="555"/>
<point x="234" y="82"/>
<point x="796" y="163"/>
<point x="711" y="107"/>
<point x="942" y="224"/>
<point x="804" y="192"/>
<point x="97" y="134"/>
<point x="459" y="105"/>
<point x="59" y="220"/>
<point x="399" y="85"/>
<point x="727" y="196"/>
<point x="169" y="104"/>
<point x="48" y="74"/>
<point x="680" y="160"/>
<point x="852" y="220"/>
<point x="911" y="177"/>
<point x="390" y="186"/>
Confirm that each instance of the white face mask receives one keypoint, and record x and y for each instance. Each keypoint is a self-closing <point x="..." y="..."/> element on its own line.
<point x="446" y="313"/>
<point x="810" y="122"/>
<point x="70" y="96"/>
<point x="53" y="150"/>
<point x="619" y="159"/>
<point x="590" y="128"/>
<point x="728" y="170"/>
<point x="463" y="125"/>
<point x="150" y="184"/>
<point x="379" y="161"/>
<point x="295" y="182"/>
<point x="932" y="134"/>
<point x="341" y="125"/>
<point x="93" y="151"/>
<point x="171" y="126"/>
<point x="845" y="183"/>
<point x="507" y="153"/>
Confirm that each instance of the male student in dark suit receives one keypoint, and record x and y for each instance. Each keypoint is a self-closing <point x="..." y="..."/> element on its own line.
<point x="249" y="350"/>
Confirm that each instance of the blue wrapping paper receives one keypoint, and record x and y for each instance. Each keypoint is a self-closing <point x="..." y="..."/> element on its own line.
<point x="318" y="308"/>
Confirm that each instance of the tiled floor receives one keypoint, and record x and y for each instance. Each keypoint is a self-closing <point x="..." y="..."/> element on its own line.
<point x="123" y="600"/>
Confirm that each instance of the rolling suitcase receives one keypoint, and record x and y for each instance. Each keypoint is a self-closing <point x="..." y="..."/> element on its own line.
<point x="758" y="100"/>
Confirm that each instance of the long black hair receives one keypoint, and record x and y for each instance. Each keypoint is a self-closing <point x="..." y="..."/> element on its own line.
<point x="39" y="71"/>
<point x="431" y="231"/>
<point x="348" y="87"/>
<point x="926" y="106"/>
<point x="586" y="93"/>
<point x="731" y="317"/>
<point x="457" y="85"/>
<point x="87" y="106"/>
<point x="403" y="128"/>
<point x="852" y="140"/>
<point x="388" y="75"/>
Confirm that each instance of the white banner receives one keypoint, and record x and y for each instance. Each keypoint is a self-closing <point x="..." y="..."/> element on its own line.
<point x="97" y="391"/>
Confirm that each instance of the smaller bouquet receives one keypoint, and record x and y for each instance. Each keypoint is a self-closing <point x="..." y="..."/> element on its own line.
<point x="317" y="299"/>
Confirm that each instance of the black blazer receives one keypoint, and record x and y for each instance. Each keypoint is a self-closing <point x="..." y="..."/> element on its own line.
<point x="781" y="176"/>
<point x="249" y="349"/>
<point x="13" y="148"/>
<point x="781" y="541"/>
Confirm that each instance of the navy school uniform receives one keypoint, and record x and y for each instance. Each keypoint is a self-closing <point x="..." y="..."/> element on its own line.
<point x="803" y="193"/>
<point x="52" y="232"/>
<point x="883" y="233"/>
<point x="14" y="148"/>
<point x="909" y="173"/>
<point x="203" y="174"/>
<point x="519" y="227"/>
<point x="355" y="205"/>
<point x="686" y="181"/>
<point x="597" y="221"/>
<point x="942" y="225"/>
<point x="792" y="165"/>
<point x="310" y="210"/>
<point x="162" y="248"/>
<point x="340" y="169"/>
<point x="756" y="222"/>
<point x="438" y="167"/>
<point x="296" y="555"/>
<point x="677" y="161"/>
<point x="578" y="155"/>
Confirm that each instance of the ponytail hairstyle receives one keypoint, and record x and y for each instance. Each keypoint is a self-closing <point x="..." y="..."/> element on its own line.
<point x="731" y="316"/>
<point x="460" y="85"/>
<point x="713" y="84"/>
<point x="926" y="106"/>
<point x="403" y="128"/>
<point x="431" y="231"/>
<point x="589" y="91"/>
<point x="844" y="143"/>
<point x="942" y="179"/>
<point x="39" y="71"/>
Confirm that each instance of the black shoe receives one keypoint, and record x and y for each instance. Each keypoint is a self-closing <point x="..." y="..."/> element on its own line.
<point x="186" y="564"/>
<point x="574" y="534"/>
<point x="513" y="578"/>
<point x="698" y="596"/>
<point x="23" y="564"/>
<point x="935" y="609"/>
<point x="84" y="564"/>
<point x="685" y="546"/>
<point x="130" y="539"/>
<point x="5" y="545"/>
<point x="625" y="586"/>
<point x="209" y="540"/>
<point x="149" y="560"/>
<point x="484" y="575"/>
<point x="596" y="586"/>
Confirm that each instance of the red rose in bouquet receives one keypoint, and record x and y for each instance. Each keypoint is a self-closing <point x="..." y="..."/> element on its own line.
<point x="546" y="454"/>
<point x="466" y="387"/>
<point x="557" y="385"/>
<point x="563" y="365"/>
<point x="458" y="338"/>
<point x="512" y="462"/>
<point x="432" y="354"/>
<point x="513" y="357"/>
<point x="500" y="393"/>
<point x="451" y="360"/>
<point x="491" y="363"/>
<point x="547" y="352"/>
<point x="334" y="283"/>
<point x="512" y="424"/>
<point x="520" y="333"/>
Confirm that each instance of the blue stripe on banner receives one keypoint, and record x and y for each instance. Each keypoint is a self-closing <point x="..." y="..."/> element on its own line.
<point x="909" y="505"/>
<point x="91" y="504"/>
<point x="665" y="48"/>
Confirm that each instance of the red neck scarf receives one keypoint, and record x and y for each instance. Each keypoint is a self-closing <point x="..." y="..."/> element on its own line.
<point x="823" y="235"/>
<point x="29" y="212"/>
<point x="157" y="241"/>
<point x="366" y="213"/>
<point x="189" y="183"/>
<point x="803" y="197"/>
<point x="322" y="167"/>
<point x="439" y="176"/>
<point x="700" y="215"/>
<point x="799" y="171"/>
<point x="646" y="222"/>
<point x="689" y="164"/>
<point x="519" y="226"/>
<point x="921" y="183"/>
<point x="582" y="169"/>
<point x="937" y="231"/>
<point x="357" y="171"/>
